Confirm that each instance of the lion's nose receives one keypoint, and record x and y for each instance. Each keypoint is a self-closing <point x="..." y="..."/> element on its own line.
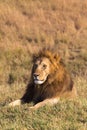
<point x="35" y="75"/>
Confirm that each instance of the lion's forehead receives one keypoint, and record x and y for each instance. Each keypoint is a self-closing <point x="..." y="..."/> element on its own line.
<point x="42" y="60"/>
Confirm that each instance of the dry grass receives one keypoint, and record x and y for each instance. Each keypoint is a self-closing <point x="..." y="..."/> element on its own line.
<point x="25" y="27"/>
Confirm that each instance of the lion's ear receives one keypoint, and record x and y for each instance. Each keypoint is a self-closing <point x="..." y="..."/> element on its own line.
<point x="57" y="57"/>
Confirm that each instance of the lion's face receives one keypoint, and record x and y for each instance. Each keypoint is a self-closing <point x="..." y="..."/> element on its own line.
<point x="41" y="70"/>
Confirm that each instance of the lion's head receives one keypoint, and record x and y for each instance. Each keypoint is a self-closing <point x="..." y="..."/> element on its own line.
<point x="41" y="70"/>
<point x="45" y="65"/>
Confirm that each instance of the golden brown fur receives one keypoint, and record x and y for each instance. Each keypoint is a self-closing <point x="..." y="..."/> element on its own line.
<point x="57" y="83"/>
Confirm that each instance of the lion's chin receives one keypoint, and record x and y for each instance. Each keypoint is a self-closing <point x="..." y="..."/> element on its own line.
<point x="39" y="81"/>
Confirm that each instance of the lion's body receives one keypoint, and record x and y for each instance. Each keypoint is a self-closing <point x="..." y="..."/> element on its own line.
<point x="52" y="81"/>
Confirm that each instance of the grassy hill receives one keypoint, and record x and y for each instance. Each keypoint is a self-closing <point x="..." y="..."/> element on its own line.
<point x="25" y="27"/>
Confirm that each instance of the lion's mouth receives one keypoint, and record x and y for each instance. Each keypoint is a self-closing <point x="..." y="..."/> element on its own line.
<point x="36" y="81"/>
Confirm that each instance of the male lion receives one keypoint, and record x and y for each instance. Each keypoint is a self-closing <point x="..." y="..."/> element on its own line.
<point x="48" y="83"/>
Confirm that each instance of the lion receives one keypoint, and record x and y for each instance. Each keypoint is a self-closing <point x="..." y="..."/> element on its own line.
<point x="49" y="81"/>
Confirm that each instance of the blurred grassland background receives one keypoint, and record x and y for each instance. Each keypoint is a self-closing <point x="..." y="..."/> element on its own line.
<point x="25" y="27"/>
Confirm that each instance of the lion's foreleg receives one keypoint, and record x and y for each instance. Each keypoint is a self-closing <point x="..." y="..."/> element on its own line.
<point x="16" y="103"/>
<point x="50" y="102"/>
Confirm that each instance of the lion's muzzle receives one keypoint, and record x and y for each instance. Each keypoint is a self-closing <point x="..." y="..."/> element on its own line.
<point x="37" y="79"/>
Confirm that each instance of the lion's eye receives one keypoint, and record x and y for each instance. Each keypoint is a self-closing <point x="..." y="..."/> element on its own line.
<point x="44" y="66"/>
